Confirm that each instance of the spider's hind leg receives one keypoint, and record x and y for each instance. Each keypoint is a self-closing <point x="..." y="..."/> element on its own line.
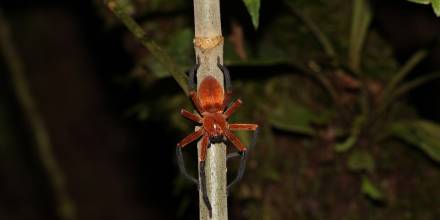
<point x="226" y="76"/>
<point x="192" y="76"/>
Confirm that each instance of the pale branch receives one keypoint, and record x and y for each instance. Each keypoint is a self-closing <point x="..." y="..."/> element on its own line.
<point x="208" y="45"/>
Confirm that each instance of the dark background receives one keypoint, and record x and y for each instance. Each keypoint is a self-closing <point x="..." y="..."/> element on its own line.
<point x="77" y="59"/>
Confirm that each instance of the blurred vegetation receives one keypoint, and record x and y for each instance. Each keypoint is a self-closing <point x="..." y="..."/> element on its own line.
<point x="329" y="94"/>
<point x="339" y="138"/>
<point x="434" y="3"/>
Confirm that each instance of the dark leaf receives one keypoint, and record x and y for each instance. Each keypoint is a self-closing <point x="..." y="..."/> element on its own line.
<point x="420" y="133"/>
<point x="370" y="190"/>
<point x="253" y="7"/>
<point x="361" y="161"/>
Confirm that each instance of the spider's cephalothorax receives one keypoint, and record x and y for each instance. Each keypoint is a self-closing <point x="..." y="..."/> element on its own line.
<point x="211" y="98"/>
<point x="210" y="101"/>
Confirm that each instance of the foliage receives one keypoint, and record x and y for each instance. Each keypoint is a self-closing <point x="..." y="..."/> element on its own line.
<point x="435" y="4"/>
<point x="337" y="91"/>
<point x="371" y="190"/>
<point x="253" y="7"/>
<point x="420" y="133"/>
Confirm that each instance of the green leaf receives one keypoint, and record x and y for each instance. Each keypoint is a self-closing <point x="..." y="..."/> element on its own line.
<point x="408" y="86"/>
<point x="436" y="7"/>
<point x="253" y="7"/>
<point x="346" y="145"/>
<point x="412" y="62"/>
<point x="354" y="134"/>
<point x="370" y="190"/>
<point x="420" y="133"/>
<point x="127" y="6"/>
<point x="359" y="27"/>
<point x="425" y="2"/>
<point x="361" y="161"/>
<point x="293" y="117"/>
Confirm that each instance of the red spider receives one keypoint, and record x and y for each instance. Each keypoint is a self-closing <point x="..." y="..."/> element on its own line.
<point x="210" y="101"/>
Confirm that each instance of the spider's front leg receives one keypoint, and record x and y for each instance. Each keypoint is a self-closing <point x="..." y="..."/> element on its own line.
<point x="180" y="161"/>
<point x="191" y="116"/>
<point x="203" y="150"/>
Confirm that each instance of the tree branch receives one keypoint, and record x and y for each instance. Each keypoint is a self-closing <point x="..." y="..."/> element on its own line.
<point x="152" y="47"/>
<point x="208" y="45"/>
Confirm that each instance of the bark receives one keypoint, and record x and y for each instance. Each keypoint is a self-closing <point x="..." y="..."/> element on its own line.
<point x="208" y="46"/>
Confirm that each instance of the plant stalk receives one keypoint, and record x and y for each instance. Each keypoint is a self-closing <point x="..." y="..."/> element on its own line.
<point x="208" y="46"/>
<point x="161" y="56"/>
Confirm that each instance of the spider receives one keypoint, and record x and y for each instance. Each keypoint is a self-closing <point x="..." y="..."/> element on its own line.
<point x="210" y="102"/>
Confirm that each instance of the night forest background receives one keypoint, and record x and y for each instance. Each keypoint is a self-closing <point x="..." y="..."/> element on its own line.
<point x="346" y="94"/>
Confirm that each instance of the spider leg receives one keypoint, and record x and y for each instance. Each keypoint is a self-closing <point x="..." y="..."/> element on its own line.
<point x="232" y="108"/>
<point x="191" y="137"/>
<point x="204" y="147"/>
<point x="237" y="144"/>
<point x="226" y="76"/>
<point x="191" y="116"/>
<point x="240" y="172"/>
<point x="192" y="85"/>
<point x="243" y="159"/>
<point x="192" y="76"/>
<point x="180" y="161"/>
<point x="227" y="81"/>
<point x="243" y="127"/>
<point x="232" y="155"/>
<point x="235" y="141"/>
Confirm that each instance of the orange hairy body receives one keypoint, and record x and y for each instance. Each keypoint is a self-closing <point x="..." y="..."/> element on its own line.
<point x="211" y="95"/>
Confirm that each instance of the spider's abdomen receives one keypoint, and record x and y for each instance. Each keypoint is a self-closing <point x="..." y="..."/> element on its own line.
<point x="211" y="95"/>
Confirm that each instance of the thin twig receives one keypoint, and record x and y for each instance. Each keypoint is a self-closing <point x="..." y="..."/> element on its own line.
<point x="405" y="88"/>
<point x="412" y="62"/>
<point x="361" y="20"/>
<point x="167" y="62"/>
<point x="314" y="70"/>
<point x="65" y="207"/>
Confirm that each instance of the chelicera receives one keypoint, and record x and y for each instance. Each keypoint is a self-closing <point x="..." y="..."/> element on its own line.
<point x="210" y="101"/>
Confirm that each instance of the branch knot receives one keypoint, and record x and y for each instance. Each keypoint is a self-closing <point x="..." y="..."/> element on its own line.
<point x="206" y="43"/>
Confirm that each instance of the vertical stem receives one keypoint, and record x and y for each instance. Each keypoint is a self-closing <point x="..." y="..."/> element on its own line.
<point x="65" y="207"/>
<point x="208" y="46"/>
